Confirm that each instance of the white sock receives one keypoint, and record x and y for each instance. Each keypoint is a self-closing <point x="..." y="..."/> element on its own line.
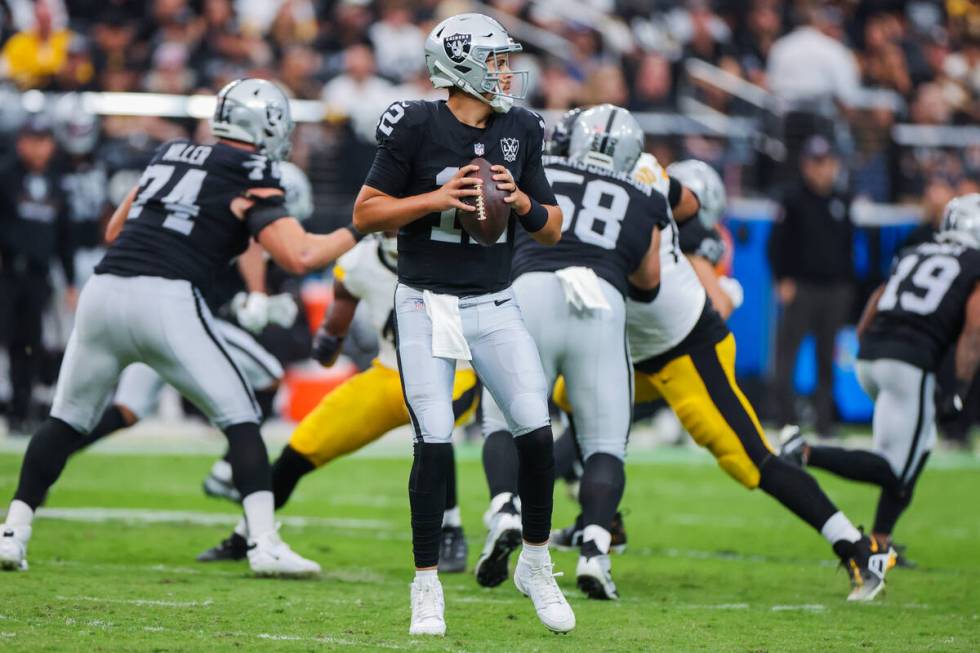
<point x="498" y="502"/>
<point x="838" y="528"/>
<point x="599" y="535"/>
<point x="451" y="518"/>
<point x="536" y="553"/>
<point x="19" y="514"/>
<point x="426" y="576"/>
<point x="259" y="513"/>
<point x="221" y="470"/>
<point x="241" y="528"/>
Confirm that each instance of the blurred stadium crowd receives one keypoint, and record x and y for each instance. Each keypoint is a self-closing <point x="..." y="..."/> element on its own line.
<point x="893" y="87"/>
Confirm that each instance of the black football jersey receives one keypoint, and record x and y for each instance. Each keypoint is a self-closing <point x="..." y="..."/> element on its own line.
<point x="421" y="145"/>
<point x="921" y="311"/>
<point x="608" y="220"/>
<point x="698" y="240"/>
<point x="181" y="225"/>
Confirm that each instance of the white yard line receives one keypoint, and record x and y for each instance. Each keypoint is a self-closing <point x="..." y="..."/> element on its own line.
<point x="139" y="602"/>
<point x="805" y="607"/>
<point x="332" y="641"/>
<point x="100" y="515"/>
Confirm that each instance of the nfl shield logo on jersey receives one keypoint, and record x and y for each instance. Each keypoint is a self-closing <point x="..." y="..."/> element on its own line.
<point x="457" y="46"/>
<point x="509" y="147"/>
<point x="478" y="149"/>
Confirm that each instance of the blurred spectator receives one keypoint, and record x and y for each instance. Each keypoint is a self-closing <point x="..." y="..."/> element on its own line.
<point x="398" y="42"/>
<point x="652" y="84"/>
<point x="762" y="27"/>
<point x="170" y="72"/>
<point x="883" y="60"/>
<point x="810" y="251"/>
<point x="605" y="83"/>
<point x="295" y="24"/>
<point x="33" y="232"/>
<point x="359" y="93"/>
<point x="78" y="71"/>
<point x="34" y="56"/>
<point x="297" y="72"/>
<point x="810" y="63"/>
<point x="938" y="193"/>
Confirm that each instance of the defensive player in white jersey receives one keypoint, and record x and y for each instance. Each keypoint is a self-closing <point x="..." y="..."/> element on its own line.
<point x="366" y="406"/>
<point x="683" y="352"/>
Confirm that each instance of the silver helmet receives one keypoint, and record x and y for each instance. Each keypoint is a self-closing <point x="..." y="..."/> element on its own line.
<point x="961" y="221"/>
<point x="704" y="182"/>
<point x="76" y="129"/>
<point x="299" y="192"/>
<point x="456" y="54"/>
<point x="557" y="142"/>
<point x="254" y="111"/>
<point x="606" y="136"/>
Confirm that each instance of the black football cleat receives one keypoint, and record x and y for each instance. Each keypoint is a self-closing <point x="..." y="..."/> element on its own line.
<point x="593" y="574"/>
<point x="503" y="538"/>
<point x="866" y="566"/>
<point x="452" y="550"/>
<point x="570" y="537"/>
<point x="232" y="549"/>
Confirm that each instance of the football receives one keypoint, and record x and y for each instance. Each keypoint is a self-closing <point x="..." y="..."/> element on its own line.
<point x="489" y="221"/>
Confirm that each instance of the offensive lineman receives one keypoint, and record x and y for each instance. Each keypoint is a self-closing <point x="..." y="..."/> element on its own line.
<point x="930" y="303"/>
<point x="573" y="298"/>
<point x="195" y="208"/>
<point x="683" y="352"/>
<point x="366" y="406"/>
<point x="453" y="299"/>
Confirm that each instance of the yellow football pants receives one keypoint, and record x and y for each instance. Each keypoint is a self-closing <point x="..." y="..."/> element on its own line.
<point x="700" y="388"/>
<point x="364" y="408"/>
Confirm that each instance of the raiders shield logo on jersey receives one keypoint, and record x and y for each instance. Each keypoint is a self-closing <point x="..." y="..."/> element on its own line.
<point x="509" y="147"/>
<point x="457" y="46"/>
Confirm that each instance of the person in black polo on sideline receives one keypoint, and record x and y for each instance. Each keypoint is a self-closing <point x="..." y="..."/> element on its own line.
<point x="811" y="254"/>
<point x="33" y="231"/>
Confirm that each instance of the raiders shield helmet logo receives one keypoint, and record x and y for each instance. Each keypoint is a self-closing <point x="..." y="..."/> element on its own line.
<point x="509" y="147"/>
<point x="457" y="46"/>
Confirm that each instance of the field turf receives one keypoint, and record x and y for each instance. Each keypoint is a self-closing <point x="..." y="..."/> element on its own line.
<point x="710" y="567"/>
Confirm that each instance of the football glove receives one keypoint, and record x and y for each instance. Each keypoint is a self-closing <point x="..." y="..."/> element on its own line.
<point x="950" y="407"/>
<point x="326" y="346"/>
<point x="283" y="310"/>
<point x="251" y="310"/>
<point x="733" y="289"/>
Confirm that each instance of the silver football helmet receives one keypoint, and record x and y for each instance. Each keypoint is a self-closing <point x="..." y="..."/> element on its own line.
<point x="254" y="111"/>
<point x="456" y="54"/>
<point x="76" y="129"/>
<point x="299" y="192"/>
<point x="961" y="221"/>
<point x="557" y="142"/>
<point x="704" y="182"/>
<point x="606" y="136"/>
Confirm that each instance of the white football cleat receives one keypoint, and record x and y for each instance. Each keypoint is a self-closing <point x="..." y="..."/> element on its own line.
<point x="268" y="555"/>
<point x="13" y="547"/>
<point x="428" y="608"/>
<point x="538" y="583"/>
<point x="594" y="574"/>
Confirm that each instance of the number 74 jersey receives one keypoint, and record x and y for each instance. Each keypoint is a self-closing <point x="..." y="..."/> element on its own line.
<point x="181" y="225"/>
<point x="921" y="310"/>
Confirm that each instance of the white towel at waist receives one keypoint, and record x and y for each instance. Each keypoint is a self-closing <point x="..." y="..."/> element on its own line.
<point x="582" y="289"/>
<point x="447" y="326"/>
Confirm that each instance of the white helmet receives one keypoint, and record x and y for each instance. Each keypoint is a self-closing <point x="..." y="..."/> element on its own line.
<point x="456" y="54"/>
<point x="606" y="136"/>
<point x="704" y="182"/>
<point x="75" y="127"/>
<point x="299" y="192"/>
<point x="254" y="111"/>
<point x="961" y="221"/>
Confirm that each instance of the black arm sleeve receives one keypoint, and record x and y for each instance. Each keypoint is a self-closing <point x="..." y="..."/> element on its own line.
<point x="533" y="181"/>
<point x="264" y="212"/>
<point x="674" y="193"/>
<point x="397" y="141"/>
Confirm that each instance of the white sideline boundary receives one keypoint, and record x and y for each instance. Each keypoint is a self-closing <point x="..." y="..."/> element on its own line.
<point x="155" y="603"/>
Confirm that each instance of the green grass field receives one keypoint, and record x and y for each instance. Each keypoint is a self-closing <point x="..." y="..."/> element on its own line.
<point x="710" y="567"/>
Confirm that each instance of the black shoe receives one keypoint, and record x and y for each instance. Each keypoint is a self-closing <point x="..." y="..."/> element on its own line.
<point x="866" y="565"/>
<point x="570" y="537"/>
<point x="452" y="550"/>
<point x="792" y="446"/>
<point x="232" y="549"/>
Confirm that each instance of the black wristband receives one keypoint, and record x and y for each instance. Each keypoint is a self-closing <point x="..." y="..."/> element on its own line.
<point x="358" y="236"/>
<point x="536" y="218"/>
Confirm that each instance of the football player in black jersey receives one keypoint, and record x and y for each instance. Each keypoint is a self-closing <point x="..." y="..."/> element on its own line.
<point x="453" y="299"/>
<point x="195" y="209"/>
<point x="573" y="297"/>
<point x="931" y="302"/>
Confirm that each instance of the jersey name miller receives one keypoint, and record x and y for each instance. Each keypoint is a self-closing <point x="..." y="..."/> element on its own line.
<point x="194" y="155"/>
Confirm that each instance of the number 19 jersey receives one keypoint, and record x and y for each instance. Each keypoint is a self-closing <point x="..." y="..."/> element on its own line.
<point x="181" y="225"/>
<point x="921" y="311"/>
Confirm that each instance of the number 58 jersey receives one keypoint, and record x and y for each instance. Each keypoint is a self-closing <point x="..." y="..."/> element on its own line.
<point x="180" y="225"/>
<point x="921" y="311"/>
